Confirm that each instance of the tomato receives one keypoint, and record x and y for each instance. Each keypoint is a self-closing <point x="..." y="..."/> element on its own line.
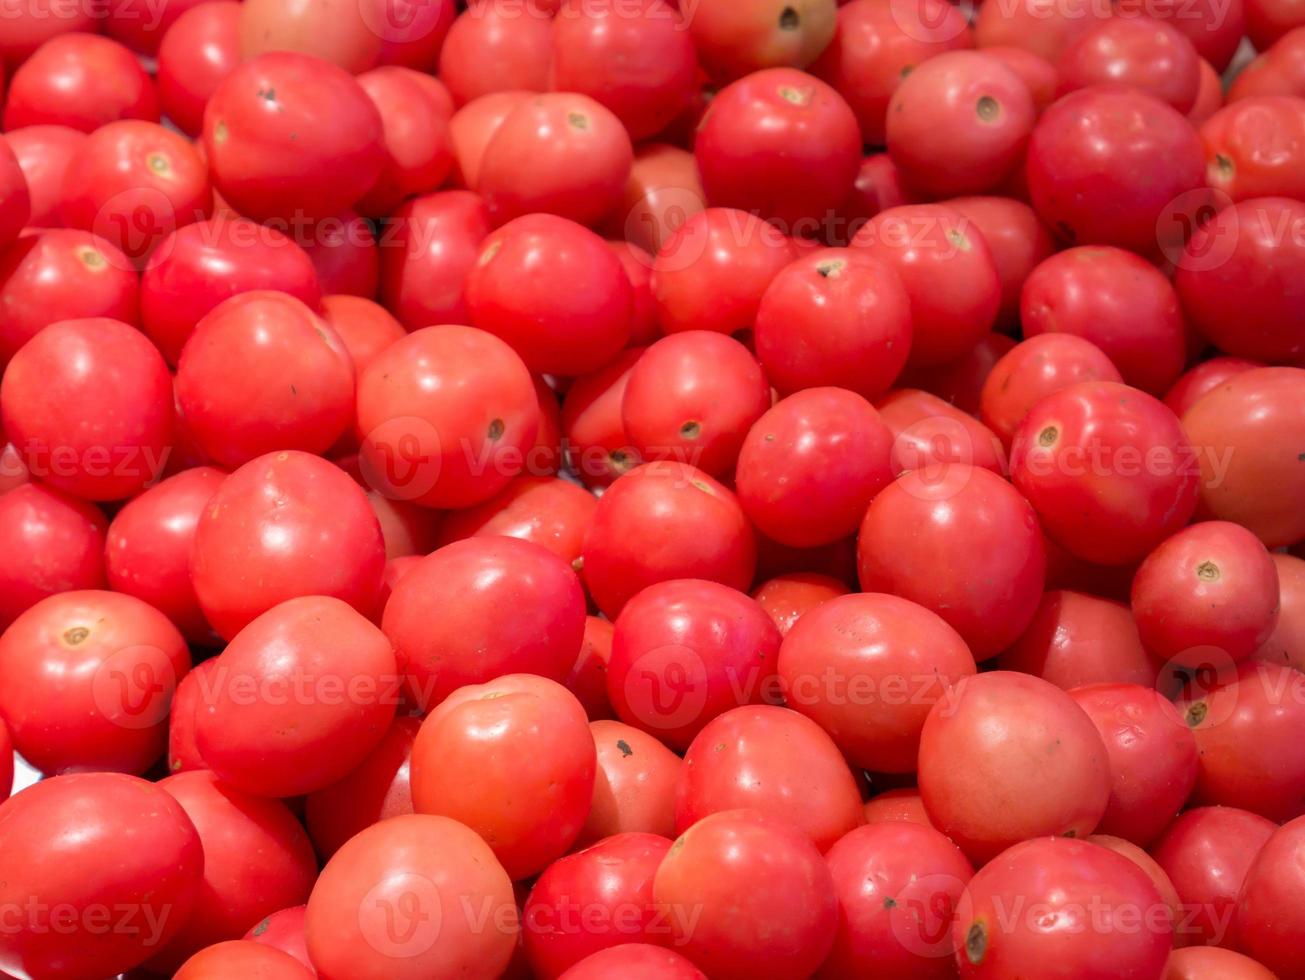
<point x="1042" y="27"/>
<point x="514" y="37"/>
<point x="42" y="153"/>
<point x="1018" y="240"/>
<point x="597" y="448"/>
<point x="1111" y="165"/>
<point x="736" y="38"/>
<point x="1080" y="440"/>
<point x="550" y="512"/>
<point x="82" y="81"/>
<point x="33" y="22"/>
<point x="183" y="754"/>
<point x="1249" y="431"/>
<point x="1034" y="70"/>
<point x="637" y="263"/>
<point x="99" y="369"/>
<point x="418" y="148"/>
<point x="6" y="762"/>
<point x="1153" y="758"/>
<point x="1287" y="642"/>
<point x="834" y="317"/>
<point x="257" y="860"/>
<point x="15" y="199"/>
<point x="566" y="314"/>
<point x="899" y="885"/>
<point x="364" y="327"/>
<point x="1150" y="55"/>
<point x="593" y="900"/>
<point x="877" y="44"/>
<point x="949" y="272"/>
<point x="1041" y="365"/>
<point x="779" y="143"/>
<point x="446" y="415"/>
<point x="284" y="931"/>
<point x="665" y="520"/>
<point x="922" y="538"/>
<point x="1213" y="963"/>
<point x="1252" y="148"/>
<point x="635" y="961"/>
<point x="290" y="136"/>
<point x="1003" y="737"/>
<point x="588" y="677"/>
<point x="78" y="851"/>
<point x="1206" y="853"/>
<point x="931" y="435"/>
<point x="434" y="242"/>
<point x="663" y="192"/>
<point x="1077" y="639"/>
<point x="284" y="525"/>
<point x="765" y="901"/>
<point x="473" y="126"/>
<point x="346" y="254"/>
<point x="878" y="187"/>
<point x="1268" y="909"/>
<point x="412" y="31"/>
<point x="897" y="804"/>
<point x="789" y="597"/>
<point x="634" y="784"/>
<point x="198" y="50"/>
<point x="1089" y="910"/>
<point x="343" y="36"/>
<point x="471" y="642"/>
<point x="1278" y="71"/>
<point x="1215" y="28"/>
<point x="1204" y="378"/>
<point x="244" y="959"/>
<point x="1240" y="279"/>
<point x="959" y="123"/>
<point x="51" y="543"/>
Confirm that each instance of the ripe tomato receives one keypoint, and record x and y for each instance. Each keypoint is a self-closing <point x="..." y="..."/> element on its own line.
<point x="782" y="144"/>
<point x="1017" y="239"/>
<point x="1081" y="440"/>
<point x="635" y="961"/>
<point x="183" y="755"/>
<point x="240" y="958"/>
<point x="42" y="153"/>
<point x="473" y="581"/>
<point x="597" y="448"/>
<point x="764" y="900"/>
<point x="31" y="24"/>
<point x="899" y="886"/>
<point x="15" y="199"/>
<point x="1287" y="642"/>
<point x="364" y="327"/>
<point x="663" y="192"/>
<point x="1213" y="963"/>
<point x="1268" y="911"/>
<point x="1038" y="73"/>
<point x="473" y="126"/>
<point x="415" y="128"/>
<point x="588" y="677"/>
<point x="733" y="39"/>
<point x="1251" y="148"/>
<point x="433" y="243"/>
<point x="1151" y="55"/>
<point x="932" y="435"/>
<point x="292" y="136"/>
<point x="51" y="543"/>
<point x="515" y="38"/>
<point x="897" y="804"/>
<point x="284" y="931"/>
<point x="550" y="512"/>
<point x="1002" y="737"/>
<point x="1216" y="29"/>
<point x="1202" y="379"/>
<point x="1042" y="27"/>
<point x="199" y="50"/>
<point x="346" y="254"/>
<point x="634" y="784"/>
<point x="344" y="36"/>
<point x="6" y="762"/>
<point x="787" y="598"/>
<point x="82" y="81"/>
<point x="79" y="853"/>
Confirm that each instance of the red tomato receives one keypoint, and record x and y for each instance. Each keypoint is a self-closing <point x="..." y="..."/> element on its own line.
<point x="1287" y="642"/>
<point x="588" y="677"/>
<point x="1153" y="758"/>
<point x="834" y="317"/>
<point x="100" y="870"/>
<point x="346" y="255"/>
<point x="195" y="687"/>
<point x="82" y="81"/>
<point x="344" y="35"/>
<point x="1007" y="757"/>
<point x="15" y="199"/>
<point x="1034" y="70"/>
<point x="364" y="327"/>
<point x="1206" y="853"/>
<point x="959" y="123"/>
<point x="199" y="50"/>
<point x="949" y="272"/>
<point x="43" y="153"/>
<point x="94" y="369"/>
<point x="634" y="784"/>
<point x="685" y="651"/>
<point x="692" y="397"/>
<point x="663" y="192"/>
<point x="291" y="136"/>
<point x="1095" y="909"/>
<point x="1110" y="165"/>
<point x="1150" y="55"/>
<point x="474" y="581"/>
<point x="736" y="38"/>
<point x="515" y="38"/>
<point x="877" y="44"/>
<point x="50" y="543"/>
<point x="1213" y="963"/>
<point x="1017" y="239"/>
<point x="284" y="525"/>
<point x="1043" y="27"/>
<point x="922" y="538"/>
<point x="238" y="958"/>
<point x="1209" y="97"/>
<point x="764" y="900"/>
<point x="810" y="466"/>
<point x="1269" y="909"/>
<point x="1249" y="432"/>
<point x="512" y="759"/>
<point x="897" y="804"/>
<point x="779" y="143"/>
<point x="1252" y="148"/>
<point x="30" y="24"/>
<point x="593" y="900"/>
<point x="787" y="598"/>
<point x="410" y="898"/>
<point x="554" y="291"/>
<point x="447" y="415"/>
<point x="644" y="328"/>
<point x="1214" y="26"/>
<point x="412" y="31"/>
<point x="867" y="668"/>
<point x="1278" y="71"/>
<point x="473" y="126"/>
<point x="1076" y="639"/>
<point x="878" y="187"/>
<point x="141" y="27"/>
<point x="415" y="128"/>
<point x="773" y="760"/>
<point x="597" y="448"/>
<point x="1269" y="20"/>
<point x="434" y="244"/>
<point x="1202" y="379"/>
<point x="960" y="382"/>
<point x="284" y="931"/>
<point x="6" y="762"/>
<point x="932" y="435"/>
<point x="665" y="520"/>
<point x="550" y="512"/>
<point x="899" y="886"/>
<point x="635" y="961"/>
<point x="1108" y="469"/>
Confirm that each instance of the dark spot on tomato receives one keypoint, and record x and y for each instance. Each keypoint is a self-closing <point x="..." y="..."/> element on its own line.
<point x="624" y="746"/>
<point x="976" y="943"/>
<point x="789" y="19"/>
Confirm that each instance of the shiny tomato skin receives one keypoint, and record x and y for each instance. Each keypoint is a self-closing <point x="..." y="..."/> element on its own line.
<point x="95" y="369"/>
<point x="765" y="896"/>
<point x="810" y="466"/>
<point x="1287" y="642"/>
<point x="897" y="804"/>
<point x="598" y="450"/>
<point x="661" y="521"/>
<point x="15" y="197"/>
<point x="51" y="543"/>
<point x="588" y="677"/>
<point x="1215" y="30"/>
<point x="284" y="930"/>
<point x="446" y="415"/>
<point x="592" y="900"/>
<point x="635" y="961"/>
<point x="95" y="840"/>
<point x="418" y="147"/>
<point x="867" y="668"/>
<point x="183" y="755"/>
<point x="1017" y="238"/>
<point x="82" y="81"/>
<point x="1252" y="147"/>
<point x="472" y="643"/>
<point x="290" y="136"/>
<point x="663" y="192"/>
<point x="546" y="510"/>
<point x="773" y="760"/>
<point x="343" y="36"/>
<point x="360" y="925"/>
<point x="238" y="957"/>
<point x="1214" y="963"/>
<point x="782" y="144"/>
<point x="933" y="435"/>
<point x="637" y="263"/>
<point x="364" y="327"/>
<point x="977" y="753"/>
<point x="1080" y="440"/>
<point x="471" y="128"/>
<point x="898" y="886"/>
<point x="1268" y="910"/>
<point x="31" y="24"/>
<point x="923" y="538"/>
<point x="1147" y="54"/>
<point x="634" y="784"/>
<point x="514" y="38"/>
<point x="1202" y="379"/>
<point x="435" y="243"/>
<point x="199" y="50"/>
<point x="1130" y="932"/>
<point x="517" y="738"/>
<point x="43" y="153"/>
<point x="790" y="596"/>
<point x="284" y="525"/>
<point x="734" y="39"/>
<point x="1042" y="27"/>
<point x="1034" y="71"/>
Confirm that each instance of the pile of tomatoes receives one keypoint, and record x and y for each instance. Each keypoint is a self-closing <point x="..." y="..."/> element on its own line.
<point x="652" y="489"/>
